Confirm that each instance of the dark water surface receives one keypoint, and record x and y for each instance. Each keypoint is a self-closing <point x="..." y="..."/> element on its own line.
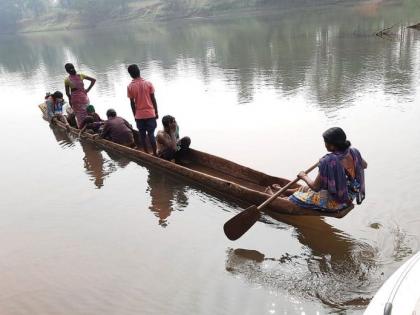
<point x="85" y="231"/>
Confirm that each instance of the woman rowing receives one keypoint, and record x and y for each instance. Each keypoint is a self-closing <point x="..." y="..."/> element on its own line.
<point x="340" y="179"/>
<point x="76" y="92"/>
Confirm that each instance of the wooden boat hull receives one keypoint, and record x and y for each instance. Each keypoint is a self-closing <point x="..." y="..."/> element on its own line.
<point x="236" y="182"/>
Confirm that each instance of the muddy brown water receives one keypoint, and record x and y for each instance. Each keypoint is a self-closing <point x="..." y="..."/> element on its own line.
<point x="87" y="231"/>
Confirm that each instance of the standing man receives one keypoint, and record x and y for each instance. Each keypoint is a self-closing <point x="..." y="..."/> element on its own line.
<point x="143" y="104"/>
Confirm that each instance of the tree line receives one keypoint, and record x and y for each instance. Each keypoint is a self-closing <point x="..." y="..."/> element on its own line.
<point x="14" y="11"/>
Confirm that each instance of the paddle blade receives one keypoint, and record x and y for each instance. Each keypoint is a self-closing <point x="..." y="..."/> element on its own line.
<point x="242" y="222"/>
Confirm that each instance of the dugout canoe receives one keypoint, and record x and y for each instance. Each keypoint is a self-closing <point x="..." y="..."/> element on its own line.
<point x="233" y="181"/>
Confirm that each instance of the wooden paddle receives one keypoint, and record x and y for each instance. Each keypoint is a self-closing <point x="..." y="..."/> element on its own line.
<point x="242" y="222"/>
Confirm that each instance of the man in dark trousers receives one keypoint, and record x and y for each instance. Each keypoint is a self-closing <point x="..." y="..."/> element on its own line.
<point x="143" y="103"/>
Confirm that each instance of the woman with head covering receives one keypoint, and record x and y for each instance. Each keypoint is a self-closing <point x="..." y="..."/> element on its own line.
<point x="340" y="179"/>
<point x="76" y="92"/>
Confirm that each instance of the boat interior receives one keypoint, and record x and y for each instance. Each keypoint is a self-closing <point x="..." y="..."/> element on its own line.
<point x="212" y="165"/>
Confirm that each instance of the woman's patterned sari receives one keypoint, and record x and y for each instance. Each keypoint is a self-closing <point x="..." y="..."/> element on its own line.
<point x="338" y="189"/>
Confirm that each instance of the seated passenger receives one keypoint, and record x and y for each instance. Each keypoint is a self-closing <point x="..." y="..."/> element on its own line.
<point x="91" y="112"/>
<point x="70" y="115"/>
<point x="118" y="130"/>
<point x="169" y="146"/>
<point x="340" y="179"/>
<point x="55" y="104"/>
<point x="92" y="123"/>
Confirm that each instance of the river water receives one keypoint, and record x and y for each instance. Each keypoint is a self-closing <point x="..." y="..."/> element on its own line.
<point x="84" y="231"/>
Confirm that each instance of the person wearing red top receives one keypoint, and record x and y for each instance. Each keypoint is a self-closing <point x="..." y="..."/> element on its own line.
<point x="143" y="104"/>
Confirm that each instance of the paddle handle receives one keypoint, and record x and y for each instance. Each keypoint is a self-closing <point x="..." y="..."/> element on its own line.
<point x="274" y="196"/>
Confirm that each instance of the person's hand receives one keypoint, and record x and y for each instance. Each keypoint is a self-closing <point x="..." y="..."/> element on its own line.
<point x="95" y="136"/>
<point x="157" y="116"/>
<point x="301" y="175"/>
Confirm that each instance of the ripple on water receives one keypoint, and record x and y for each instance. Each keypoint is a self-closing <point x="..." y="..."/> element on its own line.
<point x="340" y="283"/>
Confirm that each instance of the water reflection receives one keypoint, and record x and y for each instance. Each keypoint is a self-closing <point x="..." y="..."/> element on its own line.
<point x="337" y="270"/>
<point x="166" y="194"/>
<point x="331" y="56"/>
<point x="94" y="163"/>
<point x="63" y="138"/>
<point x="119" y="160"/>
<point x="96" y="166"/>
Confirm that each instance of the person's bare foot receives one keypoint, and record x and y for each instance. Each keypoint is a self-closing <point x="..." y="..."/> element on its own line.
<point x="276" y="187"/>
<point x="268" y="190"/>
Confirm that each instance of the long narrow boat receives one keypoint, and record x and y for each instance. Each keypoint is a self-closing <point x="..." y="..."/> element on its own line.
<point x="233" y="181"/>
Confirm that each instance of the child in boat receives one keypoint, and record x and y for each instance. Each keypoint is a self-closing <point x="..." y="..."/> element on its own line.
<point x="118" y="130"/>
<point x="169" y="146"/>
<point x="340" y="179"/>
<point x="55" y="104"/>
<point x="92" y="123"/>
<point x="69" y="114"/>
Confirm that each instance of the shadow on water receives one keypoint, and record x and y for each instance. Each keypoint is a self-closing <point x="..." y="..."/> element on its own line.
<point x="337" y="270"/>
